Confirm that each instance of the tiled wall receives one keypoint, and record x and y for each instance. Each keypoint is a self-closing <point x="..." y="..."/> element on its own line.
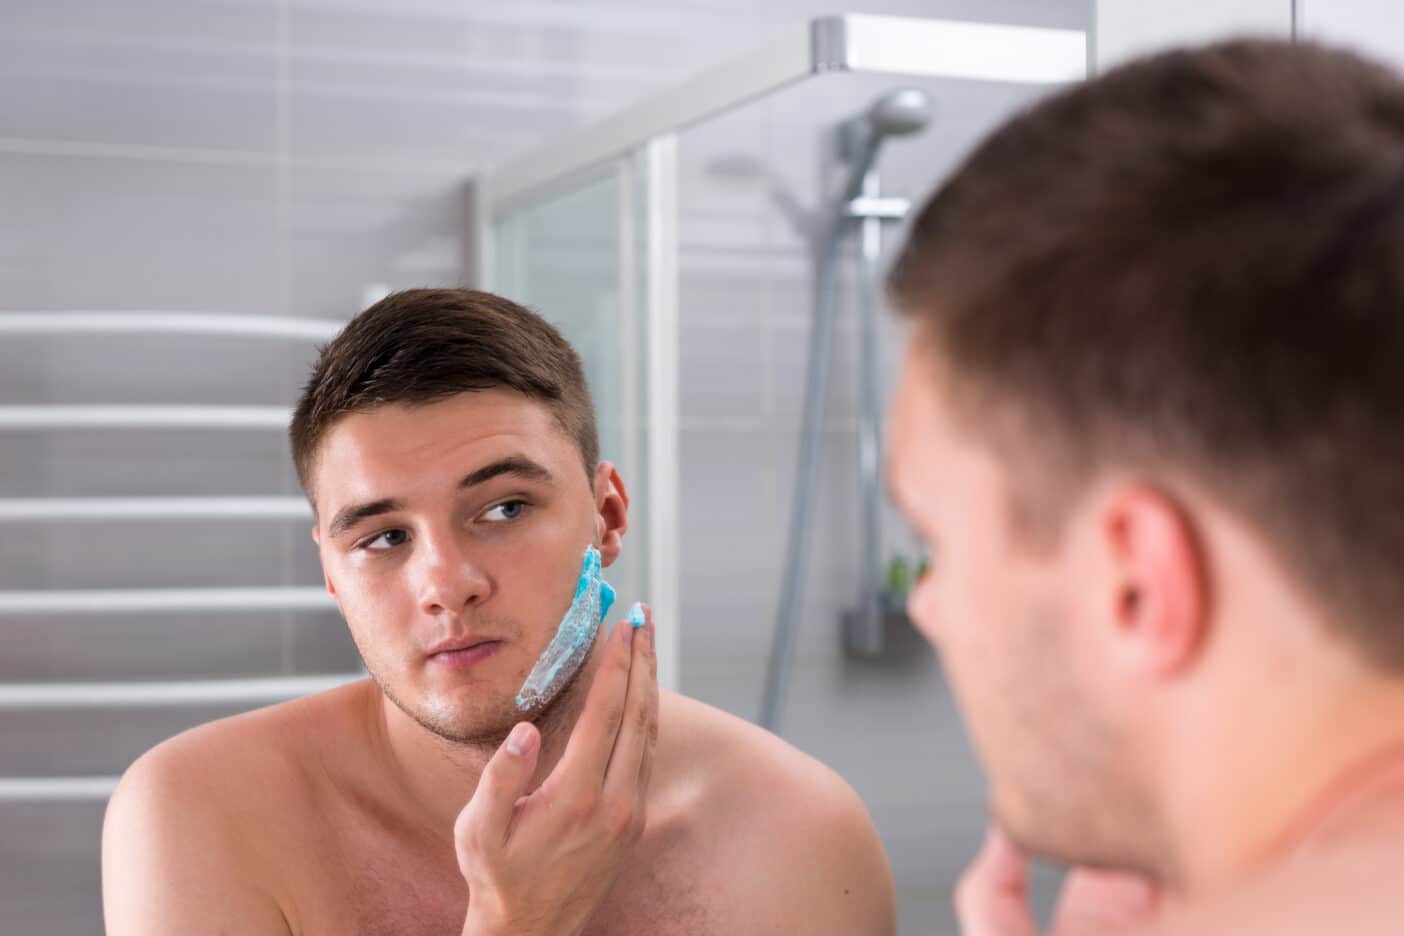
<point x="294" y="157"/>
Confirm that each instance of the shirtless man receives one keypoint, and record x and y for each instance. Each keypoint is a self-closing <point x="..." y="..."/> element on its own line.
<point x="1152" y="423"/>
<point x="447" y="442"/>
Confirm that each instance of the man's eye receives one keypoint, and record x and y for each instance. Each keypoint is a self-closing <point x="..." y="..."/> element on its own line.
<point x="508" y="510"/>
<point x="387" y="540"/>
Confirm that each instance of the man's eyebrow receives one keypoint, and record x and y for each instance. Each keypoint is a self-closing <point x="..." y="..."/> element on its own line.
<point x="517" y="465"/>
<point x="350" y="517"/>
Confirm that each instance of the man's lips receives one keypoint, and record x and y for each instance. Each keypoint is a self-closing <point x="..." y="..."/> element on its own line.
<point x="460" y="652"/>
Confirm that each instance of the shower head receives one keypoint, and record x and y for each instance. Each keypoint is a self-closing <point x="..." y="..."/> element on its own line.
<point x="899" y="112"/>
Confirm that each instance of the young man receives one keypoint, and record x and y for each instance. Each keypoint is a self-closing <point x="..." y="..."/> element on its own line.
<point x="447" y="442"/>
<point x="1152" y="424"/>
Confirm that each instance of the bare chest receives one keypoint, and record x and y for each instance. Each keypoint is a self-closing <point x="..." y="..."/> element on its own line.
<point x="367" y="882"/>
<point x="665" y="898"/>
<point x="386" y="888"/>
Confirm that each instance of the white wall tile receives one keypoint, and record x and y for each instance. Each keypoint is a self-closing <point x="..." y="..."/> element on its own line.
<point x="88" y="232"/>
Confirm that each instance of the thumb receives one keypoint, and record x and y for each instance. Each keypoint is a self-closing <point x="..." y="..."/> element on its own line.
<point x="992" y="898"/>
<point x="504" y="781"/>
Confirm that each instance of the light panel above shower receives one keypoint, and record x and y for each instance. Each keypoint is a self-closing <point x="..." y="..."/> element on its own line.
<point x="896" y="45"/>
<point x="949" y="49"/>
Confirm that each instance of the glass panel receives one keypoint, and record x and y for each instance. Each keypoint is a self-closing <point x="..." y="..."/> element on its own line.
<point x="573" y="257"/>
<point x="756" y="186"/>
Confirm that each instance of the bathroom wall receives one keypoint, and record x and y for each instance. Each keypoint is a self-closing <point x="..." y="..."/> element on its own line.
<point x="751" y="186"/>
<point x="275" y="157"/>
<point x="1126" y="28"/>
<point x="1375" y="27"/>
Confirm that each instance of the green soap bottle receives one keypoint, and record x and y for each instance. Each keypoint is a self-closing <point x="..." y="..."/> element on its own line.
<point x="899" y="577"/>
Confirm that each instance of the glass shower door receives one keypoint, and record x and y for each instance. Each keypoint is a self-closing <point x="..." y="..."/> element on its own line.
<point x="596" y="258"/>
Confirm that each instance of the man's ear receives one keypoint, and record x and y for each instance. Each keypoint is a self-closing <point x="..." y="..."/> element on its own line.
<point x="1160" y="599"/>
<point x="611" y="512"/>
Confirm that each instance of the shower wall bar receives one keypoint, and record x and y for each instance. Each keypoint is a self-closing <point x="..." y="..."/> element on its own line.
<point x="147" y="694"/>
<point x="877" y="206"/>
<point x="93" y="602"/>
<point x="55" y="789"/>
<point x="107" y="509"/>
<point x="66" y="417"/>
<point x="165" y="323"/>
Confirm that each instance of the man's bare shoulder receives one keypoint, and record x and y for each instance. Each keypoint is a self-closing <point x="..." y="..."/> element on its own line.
<point x="732" y="759"/>
<point x="200" y="819"/>
<point x="243" y="763"/>
<point x="781" y="809"/>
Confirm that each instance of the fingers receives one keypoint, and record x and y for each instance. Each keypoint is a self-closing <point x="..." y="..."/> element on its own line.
<point x="639" y="727"/>
<point x="506" y="778"/>
<point x="1099" y="901"/>
<point x="587" y="752"/>
<point x="992" y="898"/>
<point x="651" y="747"/>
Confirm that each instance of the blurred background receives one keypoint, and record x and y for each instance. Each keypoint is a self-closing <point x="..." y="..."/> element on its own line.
<point x="194" y="194"/>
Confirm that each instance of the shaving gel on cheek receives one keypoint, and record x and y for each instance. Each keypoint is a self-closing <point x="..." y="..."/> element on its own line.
<point x="575" y="635"/>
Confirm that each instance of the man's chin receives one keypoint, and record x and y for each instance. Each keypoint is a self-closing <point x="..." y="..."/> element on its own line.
<point x="1063" y="842"/>
<point x="1017" y="828"/>
<point x="464" y="714"/>
<point x="476" y="728"/>
<point x="1036" y="836"/>
<point x="461" y="718"/>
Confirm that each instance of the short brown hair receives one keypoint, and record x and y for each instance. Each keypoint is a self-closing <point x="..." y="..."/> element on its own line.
<point x="423" y="345"/>
<point x="1194" y="265"/>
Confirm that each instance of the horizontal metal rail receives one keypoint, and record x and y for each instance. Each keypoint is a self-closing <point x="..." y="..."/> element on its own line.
<point x="885" y="208"/>
<point x="164" y="600"/>
<point x="55" y="789"/>
<point x="101" y="509"/>
<point x="57" y="416"/>
<point x="79" y="695"/>
<point x="166" y="323"/>
<point x="86" y="695"/>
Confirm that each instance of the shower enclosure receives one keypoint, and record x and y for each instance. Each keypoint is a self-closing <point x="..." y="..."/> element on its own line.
<point x="715" y="252"/>
<point x="588" y="230"/>
<point x="859" y="208"/>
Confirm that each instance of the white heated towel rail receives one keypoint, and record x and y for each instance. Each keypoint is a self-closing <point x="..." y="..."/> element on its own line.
<point x="97" y="603"/>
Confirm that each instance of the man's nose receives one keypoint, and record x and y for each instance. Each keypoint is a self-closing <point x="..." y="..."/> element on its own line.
<point x="448" y="580"/>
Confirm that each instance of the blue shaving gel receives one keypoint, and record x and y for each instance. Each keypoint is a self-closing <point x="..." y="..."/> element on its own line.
<point x="575" y="635"/>
<point x="636" y="615"/>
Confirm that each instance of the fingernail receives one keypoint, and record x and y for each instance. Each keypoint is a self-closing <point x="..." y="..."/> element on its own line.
<point x="519" y="741"/>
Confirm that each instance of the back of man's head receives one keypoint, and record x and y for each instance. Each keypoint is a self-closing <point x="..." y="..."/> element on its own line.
<point x="1194" y="265"/>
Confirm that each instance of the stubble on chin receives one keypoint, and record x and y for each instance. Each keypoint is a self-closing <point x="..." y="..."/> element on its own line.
<point x="485" y="723"/>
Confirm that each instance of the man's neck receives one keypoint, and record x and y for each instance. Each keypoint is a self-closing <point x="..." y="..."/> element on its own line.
<point x="1285" y="764"/>
<point x="436" y="776"/>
